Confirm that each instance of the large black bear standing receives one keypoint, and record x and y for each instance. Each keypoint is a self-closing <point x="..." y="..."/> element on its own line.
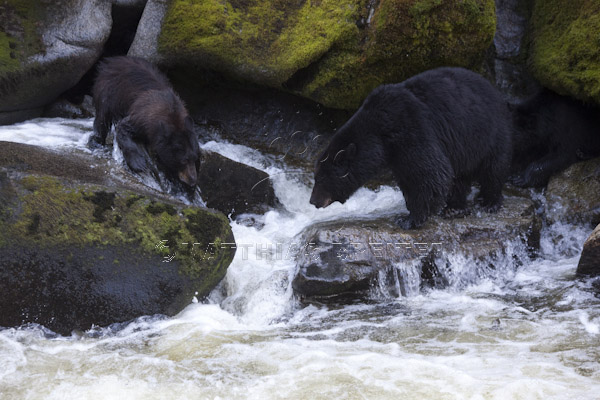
<point x="437" y="131"/>
<point x="137" y="97"/>
<point x="551" y="133"/>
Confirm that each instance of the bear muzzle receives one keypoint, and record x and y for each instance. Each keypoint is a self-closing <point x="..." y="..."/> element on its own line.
<point x="320" y="201"/>
<point x="188" y="175"/>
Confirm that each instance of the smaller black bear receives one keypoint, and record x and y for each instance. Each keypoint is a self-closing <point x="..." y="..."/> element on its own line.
<point x="551" y="132"/>
<point x="436" y="131"/>
<point x="135" y="96"/>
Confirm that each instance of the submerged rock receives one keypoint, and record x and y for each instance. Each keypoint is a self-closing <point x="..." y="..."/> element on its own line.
<point x="80" y="246"/>
<point x="348" y="258"/>
<point x="333" y="52"/>
<point x="589" y="263"/>
<point x="573" y="195"/>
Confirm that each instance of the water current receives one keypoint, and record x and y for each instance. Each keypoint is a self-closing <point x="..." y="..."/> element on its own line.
<point x="528" y="331"/>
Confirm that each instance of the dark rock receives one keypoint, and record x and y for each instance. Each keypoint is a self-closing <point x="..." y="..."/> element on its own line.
<point x="510" y="48"/>
<point x="589" y="263"/>
<point x="63" y="108"/>
<point x="349" y="258"/>
<point x="292" y="128"/>
<point x="572" y="195"/>
<point x="81" y="246"/>
<point x="234" y="188"/>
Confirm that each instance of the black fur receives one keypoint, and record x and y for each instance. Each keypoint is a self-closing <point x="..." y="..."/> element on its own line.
<point x="551" y="133"/>
<point x="437" y="131"/>
<point x="137" y="97"/>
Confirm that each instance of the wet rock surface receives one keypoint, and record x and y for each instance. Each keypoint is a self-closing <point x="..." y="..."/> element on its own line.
<point x="349" y="258"/>
<point x="589" y="263"/>
<point x="82" y="246"/>
<point x="573" y="195"/>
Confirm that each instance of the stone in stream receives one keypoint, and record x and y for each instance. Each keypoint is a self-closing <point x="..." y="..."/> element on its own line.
<point x="81" y="245"/>
<point x="589" y="263"/>
<point x="346" y="259"/>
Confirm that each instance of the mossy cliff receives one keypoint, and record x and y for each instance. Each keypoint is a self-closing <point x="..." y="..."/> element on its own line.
<point x="565" y="43"/>
<point x="333" y="52"/>
<point x="109" y="254"/>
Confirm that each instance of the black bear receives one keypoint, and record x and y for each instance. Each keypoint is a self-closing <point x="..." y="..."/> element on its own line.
<point x="436" y="131"/>
<point x="135" y="96"/>
<point x="551" y="132"/>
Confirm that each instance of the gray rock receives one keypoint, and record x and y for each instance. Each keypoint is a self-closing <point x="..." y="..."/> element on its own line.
<point x="349" y="258"/>
<point x="145" y="43"/>
<point x="70" y="40"/>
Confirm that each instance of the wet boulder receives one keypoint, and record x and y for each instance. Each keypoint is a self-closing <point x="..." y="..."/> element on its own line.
<point x="357" y="258"/>
<point x="589" y="263"/>
<point x="572" y="195"/>
<point x="333" y="52"/>
<point x="45" y="49"/>
<point x="232" y="187"/>
<point x="80" y="245"/>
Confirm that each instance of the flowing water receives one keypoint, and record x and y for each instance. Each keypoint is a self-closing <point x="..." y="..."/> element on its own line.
<point x="516" y="332"/>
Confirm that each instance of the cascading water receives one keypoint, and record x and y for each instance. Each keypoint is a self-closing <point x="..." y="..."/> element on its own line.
<point x="525" y="331"/>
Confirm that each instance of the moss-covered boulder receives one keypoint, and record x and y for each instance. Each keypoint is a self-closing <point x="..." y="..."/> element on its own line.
<point x="334" y="52"/>
<point x="75" y="254"/>
<point x="565" y="38"/>
<point x="45" y="48"/>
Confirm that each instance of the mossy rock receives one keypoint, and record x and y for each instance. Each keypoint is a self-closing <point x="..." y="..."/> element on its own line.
<point x="565" y="38"/>
<point x="76" y="254"/>
<point x="333" y="52"/>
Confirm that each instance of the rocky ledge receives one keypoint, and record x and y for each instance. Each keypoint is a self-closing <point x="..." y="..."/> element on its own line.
<point x="82" y="245"/>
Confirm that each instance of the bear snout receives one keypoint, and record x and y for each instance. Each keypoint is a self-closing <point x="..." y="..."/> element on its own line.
<point x="188" y="175"/>
<point x="320" y="201"/>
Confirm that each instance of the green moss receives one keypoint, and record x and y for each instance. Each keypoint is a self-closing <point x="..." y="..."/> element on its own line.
<point x="316" y="49"/>
<point x="19" y="36"/>
<point x="53" y="214"/>
<point x="269" y="39"/>
<point x="564" y="52"/>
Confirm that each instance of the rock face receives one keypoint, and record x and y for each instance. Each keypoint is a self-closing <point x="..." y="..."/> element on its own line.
<point x="145" y="43"/>
<point x="333" y="52"/>
<point x="589" y="263"/>
<point x="510" y="47"/>
<point x="564" y="47"/>
<point x="349" y="258"/>
<point x="234" y="188"/>
<point x="572" y="195"/>
<point x="81" y="247"/>
<point x="45" y="49"/>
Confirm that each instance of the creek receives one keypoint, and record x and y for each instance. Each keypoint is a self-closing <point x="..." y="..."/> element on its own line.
<point x="527" y="329"/>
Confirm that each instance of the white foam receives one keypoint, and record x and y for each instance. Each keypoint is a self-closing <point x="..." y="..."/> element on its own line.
<point x="50" y="132"/>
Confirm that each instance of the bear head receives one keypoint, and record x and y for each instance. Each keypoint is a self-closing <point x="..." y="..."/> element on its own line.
<point x="166" y="126"/>
<point x="334" y="177"/>
<point x="177" y="150"/>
